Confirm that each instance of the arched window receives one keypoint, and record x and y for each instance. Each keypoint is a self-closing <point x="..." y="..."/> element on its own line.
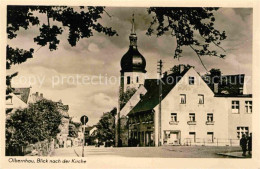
<point x="137" y="79"/>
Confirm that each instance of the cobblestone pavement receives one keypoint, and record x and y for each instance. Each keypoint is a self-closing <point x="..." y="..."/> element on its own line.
<point x="163" y="152"/>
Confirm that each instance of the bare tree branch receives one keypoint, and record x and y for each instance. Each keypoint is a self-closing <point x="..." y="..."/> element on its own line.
<point x="199" y="58"/>
<point x="107" y="13"/>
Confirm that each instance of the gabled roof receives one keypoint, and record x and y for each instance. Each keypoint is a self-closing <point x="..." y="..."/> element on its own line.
<point x="151" y="98"/>
<point x="23" y="93"/>
<point x="88" y="128"/>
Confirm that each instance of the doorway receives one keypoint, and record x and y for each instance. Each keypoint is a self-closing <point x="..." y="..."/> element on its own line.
<point x="172" y="137"/>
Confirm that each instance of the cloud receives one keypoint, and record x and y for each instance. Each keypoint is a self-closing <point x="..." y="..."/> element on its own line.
<point x="103" y="101"/>
<point x="101" y="55"/>
<point x="93" y="47"/>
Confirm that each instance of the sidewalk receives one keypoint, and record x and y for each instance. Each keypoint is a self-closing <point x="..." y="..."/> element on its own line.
<point x="237" y="154"/>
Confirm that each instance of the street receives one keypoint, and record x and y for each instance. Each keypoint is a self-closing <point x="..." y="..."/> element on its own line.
<point x="156" y="152"/>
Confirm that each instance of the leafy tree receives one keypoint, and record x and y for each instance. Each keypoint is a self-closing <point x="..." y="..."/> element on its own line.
<point x="125" y="96"/>
<point x="176" y="68"/>
<point x="192" y="27"/>
<point x="81" y="23"/>
<point x="106" y="126"/>
<point x="73" y="128"/>
<point x="38" y="122"/>
<point x="215" y="75"/>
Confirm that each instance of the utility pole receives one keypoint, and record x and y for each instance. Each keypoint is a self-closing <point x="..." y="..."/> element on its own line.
<point x="117" y="117"/>
<point x="83" y="144"/>
<point x="159" y="70"/>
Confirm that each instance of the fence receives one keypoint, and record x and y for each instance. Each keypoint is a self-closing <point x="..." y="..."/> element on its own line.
<point x="43" y="148"/>
<point x="208" y="142"/>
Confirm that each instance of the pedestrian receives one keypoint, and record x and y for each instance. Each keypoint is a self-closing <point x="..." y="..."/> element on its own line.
<point x="243" y="144"/>
<point x="249" y="144"/>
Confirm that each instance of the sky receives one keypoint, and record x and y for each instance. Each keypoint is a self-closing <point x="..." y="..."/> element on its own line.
<point x="60" y="74"/>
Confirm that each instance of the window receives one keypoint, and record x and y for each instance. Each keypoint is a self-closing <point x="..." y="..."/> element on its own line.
<point x="192" y="136"/>
<point x="248" y="105"/>
<point x="210" y="137"/>
<point x="183" y="98"/>
<point x="191" y="80"/>
<point x="201" y="99"/>
<point x="137" y="79"/>
<point x="174" y="117"/>
<point x="235" y="106"/>
<point x="192" y="117"/>
<point x="128" y="79"/>
<point x="210" y="117"/>
<point x="242" y="130"/>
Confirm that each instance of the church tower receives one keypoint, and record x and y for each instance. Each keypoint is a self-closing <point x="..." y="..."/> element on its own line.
<point x="132" y="65"/>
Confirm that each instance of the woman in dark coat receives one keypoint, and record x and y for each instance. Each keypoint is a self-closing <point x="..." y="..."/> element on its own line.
<point x="243" y="144"/>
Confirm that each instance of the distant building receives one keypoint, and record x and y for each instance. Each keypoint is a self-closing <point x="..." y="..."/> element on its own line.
<point x="192" y="110"/>
<point x="90" y="135"/>
<point x="64" y="127"/>
<point x="18" y="99"/>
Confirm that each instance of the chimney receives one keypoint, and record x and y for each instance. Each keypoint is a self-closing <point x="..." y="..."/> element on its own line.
<point x="215" y="87"/>
<point x="37" y="93"/>
<point x="41" y="95"/>
<point x="181" y="68"/>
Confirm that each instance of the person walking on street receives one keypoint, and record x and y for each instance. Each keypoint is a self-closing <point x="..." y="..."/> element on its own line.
<point x="250" y="144"/>
<point x="243" y="144"/>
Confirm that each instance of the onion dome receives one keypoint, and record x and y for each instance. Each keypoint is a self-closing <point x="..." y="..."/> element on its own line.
<point x="133" y="60"/>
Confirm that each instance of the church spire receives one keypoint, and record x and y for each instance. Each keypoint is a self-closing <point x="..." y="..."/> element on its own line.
<point x="133" y="37"/>
<point x="133" y="24"/>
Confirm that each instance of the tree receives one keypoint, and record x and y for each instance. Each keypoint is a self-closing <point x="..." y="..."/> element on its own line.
<point x="215" y="75"/>
<point x="38" y="122"/>
<point x="81" y="23"/>
<point x="106" y="127"/>
<point x="176" y="68"/>
<point x="73" y="128"/>
<point x="192" y="27"/>
<point x="125" y="96"/>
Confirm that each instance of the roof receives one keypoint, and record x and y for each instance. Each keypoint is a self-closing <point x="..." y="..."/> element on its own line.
<point x="234" y="95"/>
<point x="23" y="92"/>
<point x="229" y="85"/>
<point x="88" y="128"/>
<point x="133" y="60"/>
<point x="151" y="98"/>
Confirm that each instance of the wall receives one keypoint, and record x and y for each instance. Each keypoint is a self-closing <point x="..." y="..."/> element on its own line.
<point x="133" y="83"/>
<point x="133" y="101"/>
<point x="171" y="104"/>
<point x="240" y="119"/>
